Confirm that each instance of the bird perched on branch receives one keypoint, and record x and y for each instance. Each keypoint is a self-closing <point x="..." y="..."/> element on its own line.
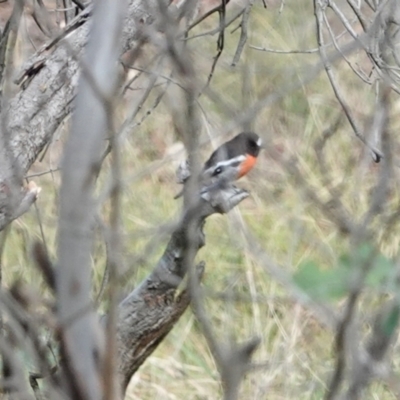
<point x="229" y="162"/>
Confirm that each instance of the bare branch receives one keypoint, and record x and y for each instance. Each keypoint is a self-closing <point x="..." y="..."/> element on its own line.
<point x="243" y="33"/>
<point x="90" y="126"/>
<point x="51" y="80"/>
<point x="151" y="310"/>
<point x="319" y="15"/>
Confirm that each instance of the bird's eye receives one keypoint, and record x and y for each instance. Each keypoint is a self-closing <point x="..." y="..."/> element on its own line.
<point x="217" y="171"/>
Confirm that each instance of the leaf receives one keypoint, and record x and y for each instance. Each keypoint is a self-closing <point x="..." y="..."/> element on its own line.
<point x="334" y="283"/>
<point x="380" y="273"/>
<point x="390" y="321"/>
<point x="321" y="284"/>
<point x="363" y="253"/>
<point x="380" y="268"/>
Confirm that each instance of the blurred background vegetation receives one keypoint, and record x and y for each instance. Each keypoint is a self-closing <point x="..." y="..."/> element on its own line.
<point x="296" y="353"/>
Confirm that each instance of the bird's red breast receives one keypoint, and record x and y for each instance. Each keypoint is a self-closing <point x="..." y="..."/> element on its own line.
<point x="227" y="163"/>
<point x="247" y="165"/>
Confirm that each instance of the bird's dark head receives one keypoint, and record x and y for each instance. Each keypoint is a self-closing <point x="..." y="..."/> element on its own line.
<point x="252" y="143"/>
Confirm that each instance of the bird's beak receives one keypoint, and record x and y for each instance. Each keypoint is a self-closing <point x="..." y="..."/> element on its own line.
<point x="260" y="143"/>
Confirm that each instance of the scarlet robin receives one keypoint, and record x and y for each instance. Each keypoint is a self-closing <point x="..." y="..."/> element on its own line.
<point x="229" y="162"/>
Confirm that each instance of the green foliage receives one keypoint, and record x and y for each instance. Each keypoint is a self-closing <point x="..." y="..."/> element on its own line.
<point x="321" y="284"/>
<point x="391" y="321"/>
<point x="362" y="266"/>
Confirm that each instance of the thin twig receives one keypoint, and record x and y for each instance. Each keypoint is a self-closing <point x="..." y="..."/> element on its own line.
<point x="243" y="33"/>
<point x="360" y="74"/>
<point x="220" y="43"/>
<point x="266" y="49"/>
<point x="79" y="4"/>
<point x="36" y="174"/>
<point x="219" y="28"/>
<point x="359" y="14"/>
<point x="319" y="17"/>
<point x="218" y="8"/>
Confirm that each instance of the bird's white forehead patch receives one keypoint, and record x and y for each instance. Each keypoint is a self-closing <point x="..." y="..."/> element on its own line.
<point x="259" y="142"/>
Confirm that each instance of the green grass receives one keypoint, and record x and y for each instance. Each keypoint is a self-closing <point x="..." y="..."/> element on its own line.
<point x="297" y="350"/>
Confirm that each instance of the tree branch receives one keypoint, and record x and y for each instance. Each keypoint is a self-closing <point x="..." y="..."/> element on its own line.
<point x="49" y="86"/>
<point x="149" y="313"/>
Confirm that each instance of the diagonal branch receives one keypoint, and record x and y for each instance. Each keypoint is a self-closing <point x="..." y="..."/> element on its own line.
<point x="149" y="313"/>
<point x="50" y="82"/>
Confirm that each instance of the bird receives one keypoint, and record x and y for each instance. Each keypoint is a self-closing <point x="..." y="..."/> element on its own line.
<point x="228" y="163"/>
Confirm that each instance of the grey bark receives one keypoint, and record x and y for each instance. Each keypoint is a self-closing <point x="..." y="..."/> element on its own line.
<point x="148" y="314"/>
<point x="145" y="317"/>
<point x="79" y="330"/>
<point x="49" y="84"/>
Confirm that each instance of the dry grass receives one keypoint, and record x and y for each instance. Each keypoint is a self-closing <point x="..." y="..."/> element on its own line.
<point x="243" y="300"/>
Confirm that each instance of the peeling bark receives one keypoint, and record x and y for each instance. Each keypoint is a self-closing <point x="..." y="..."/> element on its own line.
<point x="49" y="83"/>
<point x="149" y="313"/>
